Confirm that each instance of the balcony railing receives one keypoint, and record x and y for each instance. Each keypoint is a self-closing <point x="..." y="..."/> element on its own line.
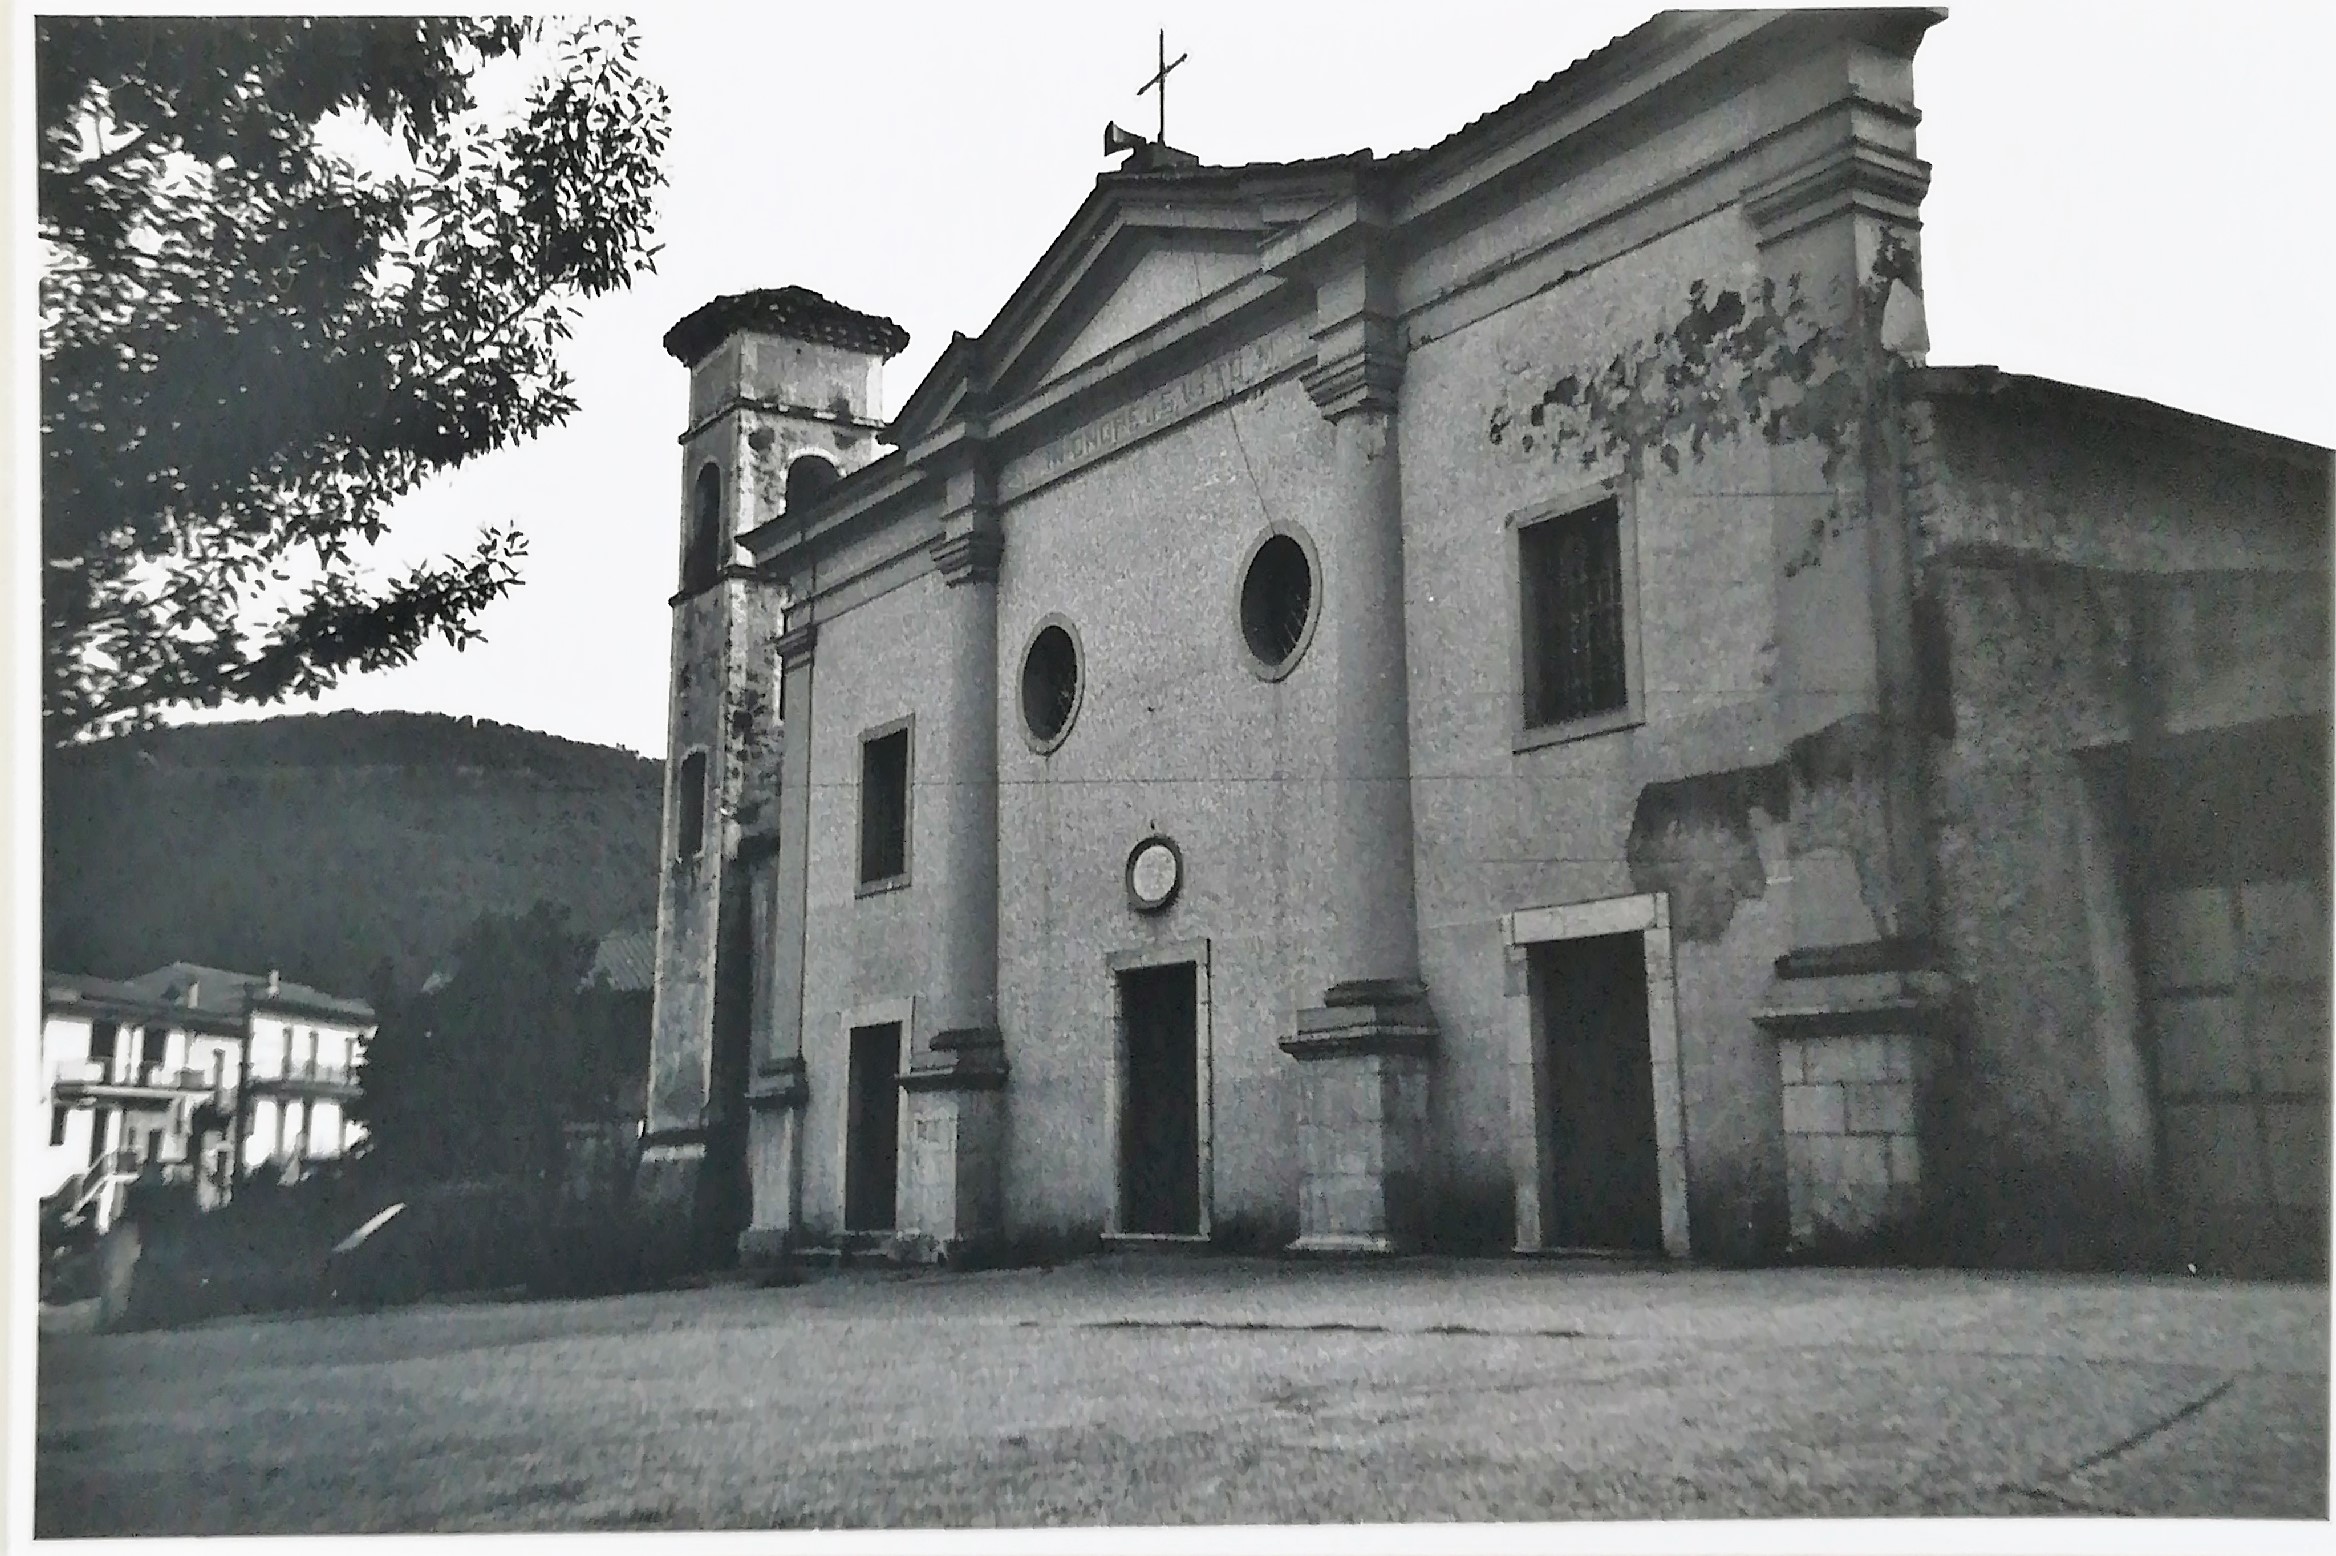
<point x="309" y="1077"/>
<point x="75" y="1075"/>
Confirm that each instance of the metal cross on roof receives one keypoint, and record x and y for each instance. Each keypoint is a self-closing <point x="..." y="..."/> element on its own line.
<point x="1160" y="80"/>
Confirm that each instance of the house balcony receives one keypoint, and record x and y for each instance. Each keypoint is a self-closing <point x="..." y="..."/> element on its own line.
<point x="93" y="1079"/>
<point x="309" y="1080"/>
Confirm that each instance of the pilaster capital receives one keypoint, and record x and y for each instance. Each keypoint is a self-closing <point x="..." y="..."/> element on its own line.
<point x="1358" y="366"/>
<point x="1856" y="177"/>
<point x="969" y="549"/>
<point x="796" y="646"/>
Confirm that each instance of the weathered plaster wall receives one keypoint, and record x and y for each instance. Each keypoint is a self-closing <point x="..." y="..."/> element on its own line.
<point x="1679" y="803"/>
<point x="1141" y="552"/>
<point x="2094" y="585"/>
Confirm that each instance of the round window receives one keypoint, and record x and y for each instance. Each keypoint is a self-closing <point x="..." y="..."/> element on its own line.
<point x="1277" y="602"/>
<point x="1050" y="685"/>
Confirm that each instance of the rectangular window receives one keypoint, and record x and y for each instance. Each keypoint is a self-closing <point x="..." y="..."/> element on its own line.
<point x="689" y="828"/>
<point x="1574" y="617"/>
<point x="884" y="801"/>
<point x="57" y="1120"/>
<point x="153" y="1047"/>
<point x="101" y="1041"/>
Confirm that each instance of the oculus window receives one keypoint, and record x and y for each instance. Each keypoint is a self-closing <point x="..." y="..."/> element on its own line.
<point x="1276" y="608"/>
<point x="1050" y="685"/>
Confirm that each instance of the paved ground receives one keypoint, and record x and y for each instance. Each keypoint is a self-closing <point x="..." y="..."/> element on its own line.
<point x="1207" y="1392"/>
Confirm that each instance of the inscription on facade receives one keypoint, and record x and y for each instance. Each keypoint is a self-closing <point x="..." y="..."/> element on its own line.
<point x="1172" y="402"/>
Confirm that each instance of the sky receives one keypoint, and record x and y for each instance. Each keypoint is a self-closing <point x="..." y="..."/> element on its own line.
<point x="2133" y="197"/>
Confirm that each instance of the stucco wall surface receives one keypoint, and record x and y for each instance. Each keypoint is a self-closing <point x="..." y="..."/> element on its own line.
<point x="1142" y="554"/>
<point x="876" y="663"/>
<point x="1501" y="829"/>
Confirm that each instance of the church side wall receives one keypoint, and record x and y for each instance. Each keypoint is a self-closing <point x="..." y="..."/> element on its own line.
<point x="1650" y="807"/>
<point x="1141" y="553"/>
<point x="2097" y="588"/>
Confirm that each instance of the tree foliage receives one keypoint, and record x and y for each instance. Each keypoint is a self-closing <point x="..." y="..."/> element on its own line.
<point x="475" y="1077"/>
<point x="251" y="346"/>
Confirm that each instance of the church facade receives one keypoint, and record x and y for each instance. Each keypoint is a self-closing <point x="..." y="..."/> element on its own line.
<point x="1489" y="698"/>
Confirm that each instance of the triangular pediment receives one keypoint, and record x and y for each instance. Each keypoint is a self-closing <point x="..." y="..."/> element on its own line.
<point x="1140" y="251"/>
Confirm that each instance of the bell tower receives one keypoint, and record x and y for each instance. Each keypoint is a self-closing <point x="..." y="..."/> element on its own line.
<point x="785" y="392"/>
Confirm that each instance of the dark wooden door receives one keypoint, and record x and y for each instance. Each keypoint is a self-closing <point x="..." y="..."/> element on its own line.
<point x="872" y="1130"/>
<point x="1159" y="1120"/>
<point x="1599" y="1105"/>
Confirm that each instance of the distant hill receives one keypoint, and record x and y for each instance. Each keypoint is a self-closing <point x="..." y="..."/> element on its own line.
<point x="322" y="844"/>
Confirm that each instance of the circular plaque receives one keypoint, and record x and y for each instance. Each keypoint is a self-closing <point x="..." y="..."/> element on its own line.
<point x="1155" y="869"/>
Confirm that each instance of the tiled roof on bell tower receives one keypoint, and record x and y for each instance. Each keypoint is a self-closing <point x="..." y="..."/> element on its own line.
<point x="793" y="311"/>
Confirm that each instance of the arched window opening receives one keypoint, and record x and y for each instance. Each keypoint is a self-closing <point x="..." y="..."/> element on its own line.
<point x="809" y="478"/>
<point x="704" y="557"/>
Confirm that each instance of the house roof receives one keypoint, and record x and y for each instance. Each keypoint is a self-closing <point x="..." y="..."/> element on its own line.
<point x="796" y="312"/>
<point x="114" y="1000"/>
<point x="2014" y="391"/>
<point x="219" y="989"/>
<point x="626" y="960"/>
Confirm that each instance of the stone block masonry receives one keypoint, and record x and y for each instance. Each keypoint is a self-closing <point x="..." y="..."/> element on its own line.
<point x="1852" y="1106"/>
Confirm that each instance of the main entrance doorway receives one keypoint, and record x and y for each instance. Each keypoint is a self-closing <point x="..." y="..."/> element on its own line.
<point x="1600" y="1189"/>
<point x="1159" y="1101"/>
<point x="872" y="1129"/>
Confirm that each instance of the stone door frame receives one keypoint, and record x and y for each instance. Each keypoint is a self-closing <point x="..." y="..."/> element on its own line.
<point x="1649" y="915"/>
<point x="1204" y="1058"/>
<point x="876" y="1013"/>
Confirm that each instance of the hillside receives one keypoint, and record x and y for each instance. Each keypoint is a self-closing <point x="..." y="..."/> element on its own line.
<point x="322" y="844"/>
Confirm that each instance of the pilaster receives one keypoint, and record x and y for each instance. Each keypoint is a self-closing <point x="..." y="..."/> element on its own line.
<point x="953" y="1099"/>
<point x="1863" y="1038"/>
<point x="1363" y="1055"/>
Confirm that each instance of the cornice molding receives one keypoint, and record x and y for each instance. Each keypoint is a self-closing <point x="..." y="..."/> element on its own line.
<point x="739" y="402"/>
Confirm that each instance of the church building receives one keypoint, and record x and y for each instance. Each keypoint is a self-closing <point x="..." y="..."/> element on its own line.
<point x="1490" y="698"/>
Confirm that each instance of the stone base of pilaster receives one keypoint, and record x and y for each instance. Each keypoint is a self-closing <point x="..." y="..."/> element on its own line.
<point x="952" y="1163"/>
<point x="665" y="1200"/>
<point x="1363" y="1057"/>
<point x="1861" y="1036"/>
<point x="774" y="1156"/>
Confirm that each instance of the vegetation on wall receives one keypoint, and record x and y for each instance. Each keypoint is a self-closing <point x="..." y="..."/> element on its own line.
<point x="1764" y="362"/>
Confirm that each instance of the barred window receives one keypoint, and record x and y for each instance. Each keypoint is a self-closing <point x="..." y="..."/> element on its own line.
<point x="1571" y="609"/>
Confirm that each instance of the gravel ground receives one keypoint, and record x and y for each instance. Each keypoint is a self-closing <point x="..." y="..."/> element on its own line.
<point x="1131" y="1392"/>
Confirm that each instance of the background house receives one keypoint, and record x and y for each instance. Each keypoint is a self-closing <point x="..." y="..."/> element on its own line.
<point x="192" y="1074"/>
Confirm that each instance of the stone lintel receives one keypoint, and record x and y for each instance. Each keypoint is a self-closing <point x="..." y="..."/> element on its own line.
<point x="1918" y="1002"/>
<point x="969" y="1059"/>
<point x="778" y="1083"/>
<point x="1358" y="1030"/>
